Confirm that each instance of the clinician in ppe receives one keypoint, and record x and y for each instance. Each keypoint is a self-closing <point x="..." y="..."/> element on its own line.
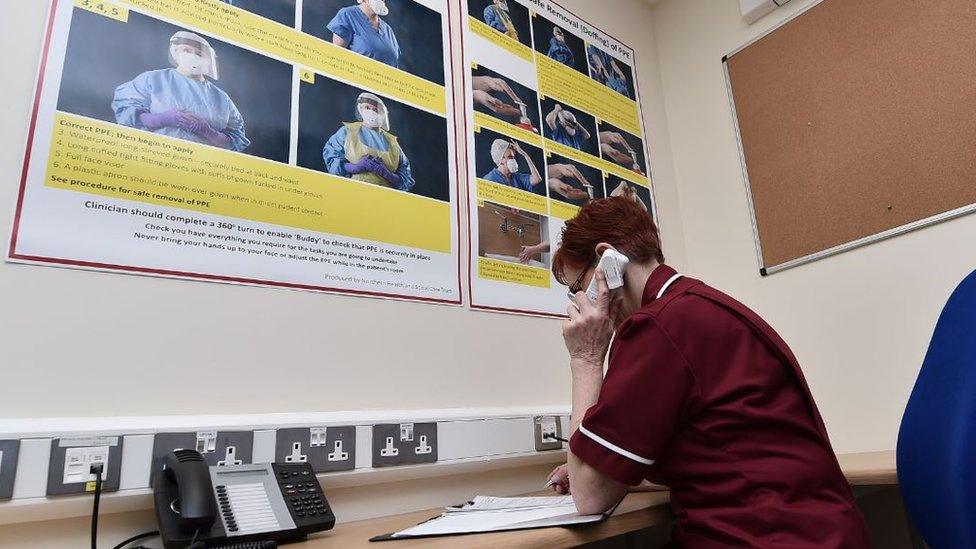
<point x="605" y="70"/>
<point x="498" y="17"/>
<point x="361" y="29"/>
<point x="182" y="101"/>
<point x="506" y="172"/>
<point x="565" y="128"/>
<point x="558" y="49"/>
<point x="366" y="151"/>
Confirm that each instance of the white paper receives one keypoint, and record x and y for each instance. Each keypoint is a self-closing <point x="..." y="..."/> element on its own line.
<point x="491" y="514"/>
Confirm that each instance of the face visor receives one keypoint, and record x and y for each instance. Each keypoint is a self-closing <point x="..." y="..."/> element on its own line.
<point x="203" y="64"/>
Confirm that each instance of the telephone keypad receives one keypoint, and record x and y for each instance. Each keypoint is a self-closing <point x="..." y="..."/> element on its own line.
<point x="302" y="492"/>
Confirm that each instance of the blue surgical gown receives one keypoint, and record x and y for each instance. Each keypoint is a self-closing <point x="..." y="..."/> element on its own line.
<point x="353" y="26"/>
<point x="576" y="141"/>
<point x="518" y="180"/>
<point x="612" y="81"/>
<point x="334" y="154"/>
<point x="494" y="20"/>
<point x="561" y="52"/>
<point x="165" y="89"/>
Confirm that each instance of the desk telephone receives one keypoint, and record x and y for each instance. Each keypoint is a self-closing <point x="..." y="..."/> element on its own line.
<point x="207" y="506"/>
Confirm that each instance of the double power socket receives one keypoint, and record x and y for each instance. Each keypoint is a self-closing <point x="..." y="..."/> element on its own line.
<point x="404" y="444"/>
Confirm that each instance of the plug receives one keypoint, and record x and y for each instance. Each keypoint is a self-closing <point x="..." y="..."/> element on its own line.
<point x="96" y="469"/>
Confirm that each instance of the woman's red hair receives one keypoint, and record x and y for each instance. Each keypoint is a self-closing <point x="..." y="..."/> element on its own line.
<point x="618" y="221"/>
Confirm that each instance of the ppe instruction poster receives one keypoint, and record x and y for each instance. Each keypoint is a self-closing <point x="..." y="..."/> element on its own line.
<point x="555" y="122"/>
<point x="297" y="143"/>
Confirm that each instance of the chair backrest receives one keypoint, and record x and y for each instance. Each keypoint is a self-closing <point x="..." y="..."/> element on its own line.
<point x="937" y="440"/>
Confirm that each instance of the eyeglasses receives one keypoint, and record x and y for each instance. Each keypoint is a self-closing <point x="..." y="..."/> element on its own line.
<point x="577" y="287"/>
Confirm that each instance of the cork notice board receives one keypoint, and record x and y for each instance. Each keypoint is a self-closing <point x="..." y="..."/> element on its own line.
<point x="857" y="121"/>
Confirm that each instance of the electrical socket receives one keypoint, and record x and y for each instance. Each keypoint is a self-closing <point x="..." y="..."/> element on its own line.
<point x="9" y="450"/>
<point x="69" y="471"/>
<point x="218" y="448"/>
<point x="404" y="444"/>
<point x="326" y="449"/>
<point x="547" y="425"/>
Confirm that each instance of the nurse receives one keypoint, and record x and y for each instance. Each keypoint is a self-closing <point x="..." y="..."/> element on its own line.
<point x="366" y="151"/>
<point x="558" y="50"/>
<point x="566" y="129"/>
<point x="180" y="101"/>
<point x="506" y="171"/>
<point x="498" y="18"/>
<point x="604" y="69"/>
<point x="700" y="395"/>
<point x="361" y="29"/>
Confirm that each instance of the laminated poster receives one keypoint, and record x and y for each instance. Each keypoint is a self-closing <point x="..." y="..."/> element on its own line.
<point x="554" y="121"/>
<point x="297" y="143"/>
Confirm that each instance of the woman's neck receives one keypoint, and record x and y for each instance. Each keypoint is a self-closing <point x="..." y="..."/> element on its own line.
<point x="197" y="77"/>
<point x="370" y="14"/>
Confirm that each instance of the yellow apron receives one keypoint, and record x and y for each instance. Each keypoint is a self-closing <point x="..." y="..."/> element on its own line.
<point x="507" y="21"/>
<point x="356" y="150"/>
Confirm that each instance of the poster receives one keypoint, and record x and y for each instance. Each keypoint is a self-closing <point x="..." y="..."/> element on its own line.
<point x="296" y="143"/>
<point x="554" y="121"/>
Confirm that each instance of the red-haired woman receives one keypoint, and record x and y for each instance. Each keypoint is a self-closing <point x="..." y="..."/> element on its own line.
<point x="700" y="395"/>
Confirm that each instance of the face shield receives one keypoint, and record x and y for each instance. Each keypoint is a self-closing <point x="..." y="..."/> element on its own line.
<point x="203" y="64"/>
<point x="371" y="111"/>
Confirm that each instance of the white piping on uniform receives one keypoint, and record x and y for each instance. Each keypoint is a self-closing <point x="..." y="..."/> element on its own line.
<point x="614" y="447"/>
<point x="666" y="284"/>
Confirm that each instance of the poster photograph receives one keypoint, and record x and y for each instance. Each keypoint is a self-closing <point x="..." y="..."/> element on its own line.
<point x="304" y="145"/>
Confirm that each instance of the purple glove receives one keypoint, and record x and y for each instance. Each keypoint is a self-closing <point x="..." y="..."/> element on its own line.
<point x="377" y="166"/>
<point x="198" y="126"/>
<point x="173" y="118"/>
<point x="357" y="167"/>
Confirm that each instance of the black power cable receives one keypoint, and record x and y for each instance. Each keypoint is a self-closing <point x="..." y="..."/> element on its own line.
<point x="143" y="535"/>
<point x="96" y="470"/>
<point x="554" y="437"/>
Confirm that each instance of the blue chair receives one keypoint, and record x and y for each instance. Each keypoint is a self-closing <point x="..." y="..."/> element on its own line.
<point x="937" y="440"/>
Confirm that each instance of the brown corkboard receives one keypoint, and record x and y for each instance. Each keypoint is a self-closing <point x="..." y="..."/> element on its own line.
<point x="857" y="117"/>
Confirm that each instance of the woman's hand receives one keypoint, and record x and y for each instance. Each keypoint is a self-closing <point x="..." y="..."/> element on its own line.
<point x="588" y="331"/>
<point x="566" y="190"/>
<point x="559" y="477"/>
<point x="518" y="149"/>
<point x="496" y="105"/>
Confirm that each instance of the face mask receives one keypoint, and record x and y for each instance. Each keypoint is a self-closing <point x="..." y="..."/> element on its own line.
<point x="571" y="131"/>
<point x="504" y="6"/>
<point x="371" y="118"/>
<point x="379" y="7"/>
<point x="189" y="63"/>
<point x="512" y="165"/>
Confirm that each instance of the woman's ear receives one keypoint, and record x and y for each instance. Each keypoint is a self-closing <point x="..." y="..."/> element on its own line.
<point x="602" y="247"/>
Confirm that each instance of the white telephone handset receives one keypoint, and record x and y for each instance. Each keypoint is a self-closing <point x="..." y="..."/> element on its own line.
<point x="613" y="264"/>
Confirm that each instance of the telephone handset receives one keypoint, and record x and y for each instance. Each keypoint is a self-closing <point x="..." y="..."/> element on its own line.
<point x="613" y="264"/>
<point x="236" y="503"/>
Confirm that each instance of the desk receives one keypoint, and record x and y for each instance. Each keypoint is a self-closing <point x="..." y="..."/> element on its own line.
<point x="638" y="511"/>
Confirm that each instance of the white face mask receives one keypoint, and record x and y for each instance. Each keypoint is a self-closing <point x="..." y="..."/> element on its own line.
<point x="189" y="63"/>
<point x="370" y="117"/>
<point x="571" y="131"/>
<point x="512" y="165"/>
<point x="379" y="7"/>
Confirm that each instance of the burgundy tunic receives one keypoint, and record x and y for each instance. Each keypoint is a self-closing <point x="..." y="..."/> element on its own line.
<point x="701" y="395"/>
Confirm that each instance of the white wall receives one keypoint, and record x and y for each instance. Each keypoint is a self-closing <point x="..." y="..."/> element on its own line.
<point x="859" y="322"/>
<point x="94" y="344"/>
